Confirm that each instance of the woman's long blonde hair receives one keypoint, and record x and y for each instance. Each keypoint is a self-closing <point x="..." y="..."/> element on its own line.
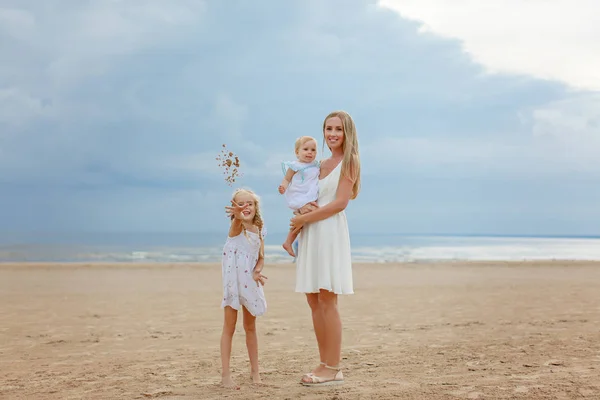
<point x="351" y="160"/>
<point x="257" y="220"/>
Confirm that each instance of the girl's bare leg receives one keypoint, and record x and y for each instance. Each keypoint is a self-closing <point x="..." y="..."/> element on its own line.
<point x="319" y="327"/>
<point x="229" y="321"/>
<point x="330" y="330"/>
<point x="252" y="344"/>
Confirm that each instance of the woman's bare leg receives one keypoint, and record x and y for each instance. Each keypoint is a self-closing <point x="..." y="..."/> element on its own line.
<point x="330" y="332"/>
<point x="319" y="326"/>
<point x="333" y="327"/>
<point x="252" y="344"/>
<point x="229" y="321"/>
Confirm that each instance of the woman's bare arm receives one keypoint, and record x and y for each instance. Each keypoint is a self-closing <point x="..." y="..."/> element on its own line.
<point x="308" y="207"/>
<point x="342" y="197"/>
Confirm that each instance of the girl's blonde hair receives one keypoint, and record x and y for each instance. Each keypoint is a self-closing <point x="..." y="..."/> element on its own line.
<point x="257" y="220"/>
<point x="301" y="140"/>
<point x="351" y="160"/>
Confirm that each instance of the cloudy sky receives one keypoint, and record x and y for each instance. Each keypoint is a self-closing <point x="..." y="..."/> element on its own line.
<point x="482" y="117"/>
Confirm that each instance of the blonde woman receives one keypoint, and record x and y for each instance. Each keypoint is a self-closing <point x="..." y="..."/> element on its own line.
<point x="323" y="263"/>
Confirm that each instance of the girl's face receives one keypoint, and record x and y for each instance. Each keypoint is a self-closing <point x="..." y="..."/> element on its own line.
<point x="307" y="151"/>
<point x="334" y="133"/>
<point x="250" y="211"/>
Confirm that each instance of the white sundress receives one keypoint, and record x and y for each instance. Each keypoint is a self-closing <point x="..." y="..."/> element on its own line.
<point x="304" y="186"/>
<point x="240" y="254"/>
<point x="324" y="256"/>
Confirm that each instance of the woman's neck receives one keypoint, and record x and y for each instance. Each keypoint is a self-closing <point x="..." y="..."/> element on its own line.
<point x="337" y="154"/>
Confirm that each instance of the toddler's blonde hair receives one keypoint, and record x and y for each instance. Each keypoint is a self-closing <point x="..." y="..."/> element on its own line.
<point x="301" y="140"/>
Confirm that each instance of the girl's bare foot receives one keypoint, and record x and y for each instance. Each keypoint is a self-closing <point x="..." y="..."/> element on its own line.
<point x="288" y="247"/>
<point x="228" y="383"/>
<point x="255" y="377"/>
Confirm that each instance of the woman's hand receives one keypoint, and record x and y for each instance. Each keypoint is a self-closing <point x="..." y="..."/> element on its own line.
<point x="235" y="210"/>
<point x="312" y="206"/>
<point x="259" y="278"/>
<point x="296" y="223"/>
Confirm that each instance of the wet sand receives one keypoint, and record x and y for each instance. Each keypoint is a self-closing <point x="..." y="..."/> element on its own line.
<point x="414" y="331"/>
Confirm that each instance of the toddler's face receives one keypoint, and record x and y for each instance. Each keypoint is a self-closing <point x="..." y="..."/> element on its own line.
<point x="307" y="151"/>
<point x="250" y="211"/>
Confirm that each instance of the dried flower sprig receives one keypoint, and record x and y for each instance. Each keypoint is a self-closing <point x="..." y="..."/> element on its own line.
<point x="231" y="164"/>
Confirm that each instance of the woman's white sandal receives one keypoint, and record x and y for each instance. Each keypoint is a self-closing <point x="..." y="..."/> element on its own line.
<point x="312" y="373"/>
<point x="315" y="380"/>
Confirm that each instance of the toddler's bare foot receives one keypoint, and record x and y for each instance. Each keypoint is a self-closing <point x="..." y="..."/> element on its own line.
<point x="228" y="383"/>
<point x="288" y="247"/>
<point x="255" y="377"/>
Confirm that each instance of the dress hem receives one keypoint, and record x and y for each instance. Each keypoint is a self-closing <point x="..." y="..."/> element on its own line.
<point x="241" y="305"/>
<point x="324" y="288"/>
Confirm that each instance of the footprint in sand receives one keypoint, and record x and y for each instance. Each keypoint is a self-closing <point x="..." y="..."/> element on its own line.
<point x="474" y="395"/>
<point x="462" y="392"/>
<point x="521" y="389"/>
<point x="59" y="341"/>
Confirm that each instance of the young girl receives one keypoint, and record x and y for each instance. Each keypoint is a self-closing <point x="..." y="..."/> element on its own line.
<point x="243" y="261"/>
<point x="300" y="185"/>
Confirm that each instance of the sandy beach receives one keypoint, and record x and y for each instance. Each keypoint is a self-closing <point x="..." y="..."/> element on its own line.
<point x="415" y="331"/>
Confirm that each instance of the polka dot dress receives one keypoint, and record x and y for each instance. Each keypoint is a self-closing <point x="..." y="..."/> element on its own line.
<point x="240" y="255"/>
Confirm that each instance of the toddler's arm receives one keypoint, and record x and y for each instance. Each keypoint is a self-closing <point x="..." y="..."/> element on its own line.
<point x="286" y="180"/>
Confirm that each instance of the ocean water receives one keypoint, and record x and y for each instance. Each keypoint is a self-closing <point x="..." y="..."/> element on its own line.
<point x="204" y="247"/>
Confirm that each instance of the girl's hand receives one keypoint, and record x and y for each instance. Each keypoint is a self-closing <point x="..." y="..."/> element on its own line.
<point x="281" y="189"/>
<point x="296" y="223"/>
<point x="259" y="278"/>
<point x="235" y="210"/>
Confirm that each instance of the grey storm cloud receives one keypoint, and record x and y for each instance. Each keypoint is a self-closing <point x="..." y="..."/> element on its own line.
<point x="111" y="115"/>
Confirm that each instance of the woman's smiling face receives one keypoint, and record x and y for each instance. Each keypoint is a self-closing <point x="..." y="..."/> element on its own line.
<point x="334" y="133"/>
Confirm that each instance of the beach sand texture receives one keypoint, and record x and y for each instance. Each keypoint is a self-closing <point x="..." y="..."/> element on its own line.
<point x="471" y="330"/>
